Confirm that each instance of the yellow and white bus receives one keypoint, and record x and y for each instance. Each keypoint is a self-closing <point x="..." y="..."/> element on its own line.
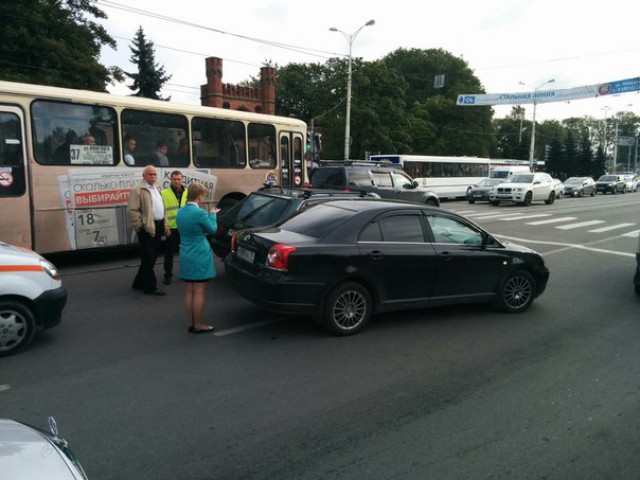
<point x="64" y="181"/>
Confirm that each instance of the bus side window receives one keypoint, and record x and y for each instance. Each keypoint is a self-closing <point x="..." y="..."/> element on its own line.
<point x="262" y="145"/>
<point x="218" y="143"/>
<point x="152" y="128"/>
<point x="62" y="131"/>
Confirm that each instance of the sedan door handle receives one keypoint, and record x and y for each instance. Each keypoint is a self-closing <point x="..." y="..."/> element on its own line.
<point x="447" y="255"/>
<point x="376" y="255"/>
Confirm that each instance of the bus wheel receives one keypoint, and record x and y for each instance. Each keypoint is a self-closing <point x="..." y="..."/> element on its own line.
<point x="227" y="203"/>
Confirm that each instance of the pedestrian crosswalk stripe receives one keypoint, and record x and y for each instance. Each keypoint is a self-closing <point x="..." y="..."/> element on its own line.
<point x="522" y="217"/>
<point x="552" y="220"/>
<point x="611" y="227"/>
<point x="495" y="215"/>
<point x="633" y="234"/>
<point x="580" y="224"/>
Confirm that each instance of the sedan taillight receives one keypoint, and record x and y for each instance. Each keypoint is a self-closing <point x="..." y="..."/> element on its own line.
<point x="278" y="256"/>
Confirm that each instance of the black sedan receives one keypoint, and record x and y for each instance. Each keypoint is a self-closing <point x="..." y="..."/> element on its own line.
<point x="266" y="206"/>
<point x="480" y="191"/>
<point x="341" y="261"/>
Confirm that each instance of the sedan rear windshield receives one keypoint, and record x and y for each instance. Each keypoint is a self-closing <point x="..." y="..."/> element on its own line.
<point x="260" y="210"/>
<point x="317" y="221"/>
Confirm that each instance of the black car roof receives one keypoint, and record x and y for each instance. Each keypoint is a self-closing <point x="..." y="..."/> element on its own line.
<point x="308" y="192"/>
<point x="378" y="204"/>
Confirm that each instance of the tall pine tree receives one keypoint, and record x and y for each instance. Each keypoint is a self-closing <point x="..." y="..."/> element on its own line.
<point x="150" y="77"/>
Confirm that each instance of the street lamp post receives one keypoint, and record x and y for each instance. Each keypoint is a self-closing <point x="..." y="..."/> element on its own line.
<point x="347" y="125"/>
<point x="606" y="109"/>
<point x="533" y="126"/>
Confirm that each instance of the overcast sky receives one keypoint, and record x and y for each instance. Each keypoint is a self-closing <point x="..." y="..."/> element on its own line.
<point x="504" y="42"/>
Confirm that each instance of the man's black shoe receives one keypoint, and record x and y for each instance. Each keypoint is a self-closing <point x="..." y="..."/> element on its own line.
<point x="167" y="280"/>
<point x="157" y="292"/>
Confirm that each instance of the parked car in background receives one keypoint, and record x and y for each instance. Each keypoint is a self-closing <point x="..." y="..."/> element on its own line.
<point x="506" y="172"/>
<point x="31" y="295"/>
<point x="343" y="260"/>
<point x="388" y="182"/>
<point x="558" y="187"/>
<point x="480" y="191"/>
<point x="579" y="186"/>
<point x="631" y="182"/>
<point x="524" y="188"/>
<point x="28" y="452"/>
<point x="268" y="205"/>
<point x="611" y="184"/>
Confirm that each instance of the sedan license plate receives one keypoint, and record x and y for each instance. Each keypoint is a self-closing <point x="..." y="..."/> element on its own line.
<point x="246" y="255"/>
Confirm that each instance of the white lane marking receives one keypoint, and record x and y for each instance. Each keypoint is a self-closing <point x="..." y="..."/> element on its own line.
<point x="495" y="215"/>
<point x="612" y="227"/>
<point x="4" y="387"/>
<point x="569" y="246"/>
<point x="552" y="220"/>
<point x="243" y="328"/>
<point x="580" y="224"/>
<point x="524" y="217"/>
<point x="633" y="234"/>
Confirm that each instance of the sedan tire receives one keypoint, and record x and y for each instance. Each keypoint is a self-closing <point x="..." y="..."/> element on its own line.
<point x="17" y="327"/>
<point x="517" y="292"/>
<point x="347" y="309"/>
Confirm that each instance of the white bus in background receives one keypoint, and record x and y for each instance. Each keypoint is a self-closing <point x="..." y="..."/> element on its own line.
<point x="449" y="177"/>
<point x="64" y="183"/>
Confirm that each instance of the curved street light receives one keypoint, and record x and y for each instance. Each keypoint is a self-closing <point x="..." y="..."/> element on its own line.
<point x="347" y="125"/>
<point x="533" y="126"/>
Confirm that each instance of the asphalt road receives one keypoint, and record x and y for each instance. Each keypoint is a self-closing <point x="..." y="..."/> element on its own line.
<point x="446" y="393"/>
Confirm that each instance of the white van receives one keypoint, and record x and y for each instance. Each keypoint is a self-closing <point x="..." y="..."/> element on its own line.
<point x="507" y="172"/>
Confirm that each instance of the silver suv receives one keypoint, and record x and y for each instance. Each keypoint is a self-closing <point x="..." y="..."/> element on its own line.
<point x="524" y="188"/>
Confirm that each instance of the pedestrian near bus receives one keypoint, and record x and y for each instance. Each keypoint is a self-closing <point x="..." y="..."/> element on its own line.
<point x="196" y="257"/>
<point x="146" y="215"/>
<point x="173" y="197"/>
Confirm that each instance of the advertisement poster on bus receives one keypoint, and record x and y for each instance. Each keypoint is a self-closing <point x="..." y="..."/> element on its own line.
<point x="95" y="201"/>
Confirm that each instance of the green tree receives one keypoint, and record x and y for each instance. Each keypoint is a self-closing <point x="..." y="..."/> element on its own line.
<point x="54" y="42"/>
<point x="585" y="164"/>
<point x="511" y="143"/>
<point x="458" y="130"/>
<point x="554" y="161"/>
<point x="599" y="163"/>
<point x="151" y="76"/>
<point x="571" y="157"/>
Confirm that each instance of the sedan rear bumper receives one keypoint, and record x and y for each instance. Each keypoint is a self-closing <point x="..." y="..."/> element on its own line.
<point x="273" y="290"/>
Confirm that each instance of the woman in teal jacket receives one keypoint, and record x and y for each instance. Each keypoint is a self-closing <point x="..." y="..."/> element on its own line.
<point x="196" y="258"/>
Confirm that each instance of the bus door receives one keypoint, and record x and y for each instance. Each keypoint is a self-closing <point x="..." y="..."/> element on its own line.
<point x="15" y="207"/>
<point x="291" y="160"/>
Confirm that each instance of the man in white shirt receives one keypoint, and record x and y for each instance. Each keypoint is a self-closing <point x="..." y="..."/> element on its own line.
<point x="146" y="215"/>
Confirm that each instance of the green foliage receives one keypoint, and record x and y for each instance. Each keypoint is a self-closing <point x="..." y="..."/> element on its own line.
<point x="53" y="42"/>
<point x="151" y="77"/>
<point x="394" y="106"/>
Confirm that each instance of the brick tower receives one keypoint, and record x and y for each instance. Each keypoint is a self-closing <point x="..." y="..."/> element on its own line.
<point x="222" y="95"/>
